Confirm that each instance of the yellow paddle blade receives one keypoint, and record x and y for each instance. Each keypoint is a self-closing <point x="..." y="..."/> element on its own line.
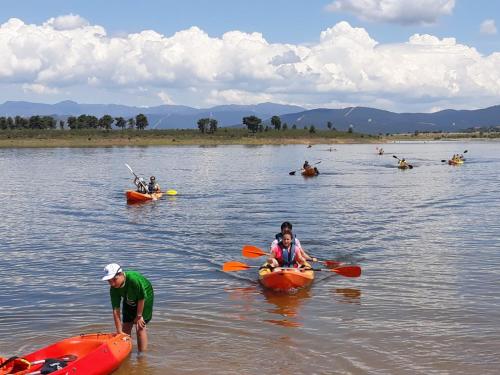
<point x="171" y="192"/>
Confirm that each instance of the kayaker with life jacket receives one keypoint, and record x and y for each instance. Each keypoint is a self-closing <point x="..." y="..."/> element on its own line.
<point x="153" y="187"/>
<point x="286" y="253"/>
<point x="286" y="225"/>
<point x="403" y="163"/>
<point x="137" y="295"/>
<point x="141" y="185"/>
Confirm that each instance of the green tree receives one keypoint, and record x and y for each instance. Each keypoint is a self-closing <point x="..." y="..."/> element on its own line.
<point x="120" y="122"/>
<point x="141" y="121"/>
<point x="72" y="122"/>
<point x="212" y="125"/>
<point x="276" y="122"/>
<point x="312" y="129"/>
<point x="10" y="123"/>
<point x="350" y="129"/>
<point x="329" y="125"/>
<point x="203" y="124"/>
<point x="106" y="122"/>
<point x="61" y="124"/>
<point x="252" y="123"/>
<point x="285" y="126"/>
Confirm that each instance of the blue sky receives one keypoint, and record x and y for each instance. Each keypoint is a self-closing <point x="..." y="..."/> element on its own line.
<point x="406" y="55"/>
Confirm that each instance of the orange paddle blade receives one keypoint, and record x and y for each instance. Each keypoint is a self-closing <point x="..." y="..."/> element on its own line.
<point x="234" y="266"/>
<point x="250" y="251"/>
<point x="348" y="271"/>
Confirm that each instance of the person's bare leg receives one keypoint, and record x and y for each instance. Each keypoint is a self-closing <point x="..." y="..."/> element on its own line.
<point x="127" y="328"/>
<point x="142" y="338"/>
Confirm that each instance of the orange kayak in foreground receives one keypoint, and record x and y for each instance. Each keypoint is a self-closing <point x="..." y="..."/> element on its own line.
<point x="285" y="279"/>
<point x="310" y="172"/>
<point x="136" y="197"/>
<point x="92" y="354"/>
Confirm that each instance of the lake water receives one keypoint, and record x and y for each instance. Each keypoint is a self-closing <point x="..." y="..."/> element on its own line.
<point x="427" y="239"/>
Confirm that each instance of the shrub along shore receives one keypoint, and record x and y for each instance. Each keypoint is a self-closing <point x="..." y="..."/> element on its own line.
<point x="223" y="136"/>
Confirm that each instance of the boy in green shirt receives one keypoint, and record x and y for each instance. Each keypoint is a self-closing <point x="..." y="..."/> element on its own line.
<point x="137" y="294"/>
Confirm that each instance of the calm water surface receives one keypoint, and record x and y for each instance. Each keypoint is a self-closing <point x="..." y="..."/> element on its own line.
<point x="428" y="301"/>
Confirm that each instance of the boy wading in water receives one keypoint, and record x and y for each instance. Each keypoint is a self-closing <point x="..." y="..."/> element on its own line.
<point x="136" y="292"/>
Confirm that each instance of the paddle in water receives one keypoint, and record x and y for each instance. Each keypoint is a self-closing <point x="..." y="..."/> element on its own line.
<point x="250" y="251"/>
<point x="295" y="171"/>
<point x="409" y="165"/>
<point x="346" y="271"/>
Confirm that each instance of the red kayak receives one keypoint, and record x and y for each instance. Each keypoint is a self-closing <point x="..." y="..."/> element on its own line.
<point x="136" y="197"/>
<point x="92" y="354"/>
<point x="285" y="279"/>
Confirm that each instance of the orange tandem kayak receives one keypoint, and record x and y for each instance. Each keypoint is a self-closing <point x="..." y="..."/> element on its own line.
<point x="92" y="354"/>
<point x="310" y="172"/>
<point x="285" y="279"/>
<point x="136" y="197"/>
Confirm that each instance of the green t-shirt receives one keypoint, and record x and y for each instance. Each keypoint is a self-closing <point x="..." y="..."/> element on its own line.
<point x="136" y="287"/>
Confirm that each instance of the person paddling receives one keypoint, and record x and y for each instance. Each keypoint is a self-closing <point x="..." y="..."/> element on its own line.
<point x="403" y="163"/>
<point x="141" y="185"/>
<point x="137" y="295"/>
<point x="286" y="253"/>
<point x="287" y="226"/>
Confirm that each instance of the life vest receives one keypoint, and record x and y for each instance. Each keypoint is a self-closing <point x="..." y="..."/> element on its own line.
<point x="285" y="257"/>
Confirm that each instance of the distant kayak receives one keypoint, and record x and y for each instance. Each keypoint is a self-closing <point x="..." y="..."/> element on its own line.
<point x="455" y="162"/>
<point x="403" y="166"/>
<point x="92" y="354"/>
<point x="136" y="197"/>
<point x="310" y="172"/>
<point x="285" y="279"/>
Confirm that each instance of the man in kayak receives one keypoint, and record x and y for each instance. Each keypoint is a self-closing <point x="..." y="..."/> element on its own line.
<point x="287" y="226"/>
<point x="137" y="294"/>
<point x="403" y="163"/>
<point x="153" y="187"/>
<point x="286" y="253"/>
<point x="141" y="185"/>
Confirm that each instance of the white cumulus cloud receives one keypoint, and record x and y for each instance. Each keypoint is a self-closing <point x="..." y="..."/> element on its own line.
<point x="397" y="11"/>
<point x="488" y="27"/>
<point x="344" y="66"/>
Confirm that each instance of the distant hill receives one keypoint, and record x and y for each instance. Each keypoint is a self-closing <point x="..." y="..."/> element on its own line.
<point x="362" y="119"/>
<point x="374" y="121"/>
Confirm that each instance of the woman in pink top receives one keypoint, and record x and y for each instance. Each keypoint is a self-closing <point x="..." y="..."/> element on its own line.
<point x="287" y="253"/>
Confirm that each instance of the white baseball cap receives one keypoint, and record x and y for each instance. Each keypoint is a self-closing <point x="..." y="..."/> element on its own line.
<point x="111" y="270"/>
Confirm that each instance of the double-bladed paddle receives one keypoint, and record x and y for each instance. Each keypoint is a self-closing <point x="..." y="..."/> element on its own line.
<point x="250" y="251"/>
<point x="409" y="165"/>
<point x="347" y="271"/>
<point x="295" y="171"/>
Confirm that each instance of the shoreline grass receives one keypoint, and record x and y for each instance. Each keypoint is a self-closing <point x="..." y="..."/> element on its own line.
<point x="224" y="136"/>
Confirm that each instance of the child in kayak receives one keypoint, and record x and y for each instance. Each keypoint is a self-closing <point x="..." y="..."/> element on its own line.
<point x="286" y="225"/>
<point x="153" y="187"/>
<point x="141" y="185"/>
<point x="136" y="292"/>
<point x="286" y="253"/>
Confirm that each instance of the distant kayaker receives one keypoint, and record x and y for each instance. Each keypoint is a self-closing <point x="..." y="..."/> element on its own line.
<point x="141" y="185"/>
<point x="403" y="163"/>
<point x="287" y="226"/>
<point x="136" y="292"/>
<point x="306" y="165"/>
<point x="153" y="187"/>
<point x="286" y="253"/>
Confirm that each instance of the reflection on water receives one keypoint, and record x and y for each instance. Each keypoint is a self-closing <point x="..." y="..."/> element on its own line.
<point x="286" y="306"/>
<point x="348" y="295"/>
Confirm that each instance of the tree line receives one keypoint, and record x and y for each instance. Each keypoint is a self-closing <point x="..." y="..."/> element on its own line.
<point x="105" y="122"/>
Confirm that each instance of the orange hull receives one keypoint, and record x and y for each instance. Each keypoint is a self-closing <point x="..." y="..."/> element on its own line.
<point x="285" y="279"/>
<point x="92" y="354"/>
<point x="136" y="197"/>
<point x="310" y="172"/>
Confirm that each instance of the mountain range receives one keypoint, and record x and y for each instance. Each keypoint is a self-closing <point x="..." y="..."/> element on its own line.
<point x="361" y="119"/>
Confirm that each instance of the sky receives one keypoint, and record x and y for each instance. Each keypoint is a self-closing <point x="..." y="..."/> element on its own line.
<point x="397" y="55"/>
